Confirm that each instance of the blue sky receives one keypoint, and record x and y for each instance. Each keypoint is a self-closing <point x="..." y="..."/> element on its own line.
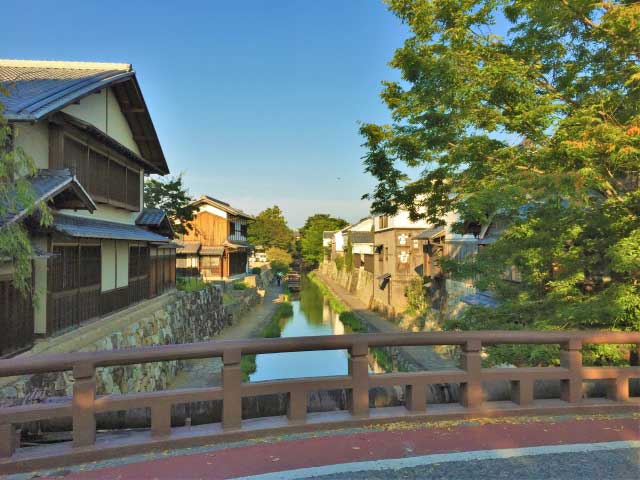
<point x="256" y="101"/>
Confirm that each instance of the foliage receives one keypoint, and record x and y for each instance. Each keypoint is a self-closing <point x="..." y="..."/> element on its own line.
<point x="190" y="284"/>
<point x="417" y="300"/>
<point x="348" y="256"/>
<point x="336" y="305"/>
<point x="256" y="270"/>
<point x="311" y="236"/>
<point x="352" y="322"/>
<point x="537" y="130"/>
<point x="247" y="366"/>
<point x="16" y="194"/>
<point x="339" y="261"/>
<point x="280" y="259"/>
<point x="239" y="285"/>
<point x="171" y="196"/>
<point x="269" y="229"/>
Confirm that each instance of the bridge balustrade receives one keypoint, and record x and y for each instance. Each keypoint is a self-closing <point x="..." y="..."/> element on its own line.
<point x="85" y="404"/>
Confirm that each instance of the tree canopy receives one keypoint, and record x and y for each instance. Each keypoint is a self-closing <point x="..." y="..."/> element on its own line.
<point x="269" y="229"/>
<point x="526" y="113"/>
<point x="311" y="236"/>
<point x="172" y="196"/>
<point x="16" y="195"/>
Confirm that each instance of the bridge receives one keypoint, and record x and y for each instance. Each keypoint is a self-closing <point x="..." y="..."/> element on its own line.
<point x="84" y="405"/>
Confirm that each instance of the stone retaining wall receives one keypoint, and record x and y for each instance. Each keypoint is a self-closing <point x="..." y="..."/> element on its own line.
<point x="178" y="317"/>
<point x="359" y="282"/>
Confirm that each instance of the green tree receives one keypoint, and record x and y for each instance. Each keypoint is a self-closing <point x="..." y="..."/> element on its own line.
<point x="269" y="229"/>
<point x="172" y="196"/>
<point x="535" y="125"/>
<point x="280" y="259"/>
<point x="17" y="195"/>
<point x="311" y="236"/>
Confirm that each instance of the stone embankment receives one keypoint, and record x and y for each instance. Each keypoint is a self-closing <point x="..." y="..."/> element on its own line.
<point x="176" y="317"/>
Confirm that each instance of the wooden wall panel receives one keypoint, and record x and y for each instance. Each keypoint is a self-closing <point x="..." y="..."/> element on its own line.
<point x="208" y="229"/>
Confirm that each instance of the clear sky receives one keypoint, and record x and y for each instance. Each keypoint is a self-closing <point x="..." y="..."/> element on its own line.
<point x="257" y="102"/>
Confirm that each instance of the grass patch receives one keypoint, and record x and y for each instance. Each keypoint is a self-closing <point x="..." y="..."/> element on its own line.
<point x="227" y="298"/>
<point x="352" y="322"/>
<point x="239" y="285"/>
<point x="248" y="366"/>
<point x="335" y="304"/>
<point x="190" y="284"/>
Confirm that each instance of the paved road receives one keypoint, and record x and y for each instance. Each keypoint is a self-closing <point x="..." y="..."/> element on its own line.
<point x="584" y="447"/>
<point x="617" y="464"/>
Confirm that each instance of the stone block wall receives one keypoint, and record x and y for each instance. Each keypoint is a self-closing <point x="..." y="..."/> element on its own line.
<point x="359" y="281"/>
<point x="180" y="317"/>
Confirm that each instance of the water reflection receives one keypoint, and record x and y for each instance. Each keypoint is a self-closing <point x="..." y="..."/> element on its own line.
<point x="312" y="316"/>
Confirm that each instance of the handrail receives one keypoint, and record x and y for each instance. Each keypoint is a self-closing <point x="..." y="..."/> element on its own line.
<point x="85" y="404"/>
<point x="128" y="356"/>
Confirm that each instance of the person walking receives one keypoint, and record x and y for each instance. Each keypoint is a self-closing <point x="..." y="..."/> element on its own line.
<point x="279" y="277"/>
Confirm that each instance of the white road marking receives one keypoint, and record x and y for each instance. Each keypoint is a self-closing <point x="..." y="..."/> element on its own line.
<point x="409" y="462"/>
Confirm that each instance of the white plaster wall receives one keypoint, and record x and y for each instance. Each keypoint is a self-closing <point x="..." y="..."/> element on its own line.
<point x="102" y="111"/>
<point x="122" y="263"/>
<point x="362" y="248"/>
<point x="106" y="212"/>
<point x="338" y="239"/>
<point x="108" y="248"/>
<point x="213" y="210"/>
<point x="363" y="225"/>
<point x="34" y="139"/>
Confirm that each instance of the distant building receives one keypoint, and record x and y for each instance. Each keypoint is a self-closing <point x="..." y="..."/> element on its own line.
<point x="216" y="245"/>
<point x="361" y="238"/>
<point x="88" y="130"/>
<point x="398" y="259"/>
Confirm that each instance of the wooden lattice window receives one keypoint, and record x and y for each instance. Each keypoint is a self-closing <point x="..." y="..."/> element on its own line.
<point x="133" y="188"/>
<point x="117" y="182"/>
<point x="98" y="185"/>
<point x="64" y="268"/>
<point x="91" y="265"/>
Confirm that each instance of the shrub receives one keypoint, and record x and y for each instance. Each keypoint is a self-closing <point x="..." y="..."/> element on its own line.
<point x="416" y="297"/>
<point x="239" y="285"/>
<point x="350" y="320"/>
<point x="190" y="284"/>
<point x="339" y="261"/>
<point x="256" y="270"/>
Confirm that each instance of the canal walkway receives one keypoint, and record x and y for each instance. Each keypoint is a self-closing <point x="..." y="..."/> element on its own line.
<point x="207" y="372"/>
<point x="424" y="357"/>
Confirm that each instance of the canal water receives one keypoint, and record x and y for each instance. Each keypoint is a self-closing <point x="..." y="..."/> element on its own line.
<point x="312" y="316"/>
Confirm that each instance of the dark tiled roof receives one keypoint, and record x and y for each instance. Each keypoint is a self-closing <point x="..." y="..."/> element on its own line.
<point x="40" y="88"/>
<point x="361" y="237"/>
<point x="188" y="247"/>
<point x="328" y="234"/>
<point x="237" y="244"/>
<point x="37" y="88"/>
<point x="212" y="251"/>
<point x="151" y="217"/>
<point x="224" y="206"/>
<point x="482" y="299"/>
<point x="47" y="184"/>
<point x="90" y="228"/>
<point x="430" y="233"/>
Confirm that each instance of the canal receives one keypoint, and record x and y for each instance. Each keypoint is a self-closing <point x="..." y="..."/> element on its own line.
<point x="312" y="316"/>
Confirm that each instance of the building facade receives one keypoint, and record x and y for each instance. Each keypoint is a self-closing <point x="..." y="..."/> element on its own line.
<point x="216" y="245"/>
<point x="88" y="130"/>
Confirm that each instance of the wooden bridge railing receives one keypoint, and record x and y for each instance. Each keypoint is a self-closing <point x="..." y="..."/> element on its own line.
<point x="85" y="404"/>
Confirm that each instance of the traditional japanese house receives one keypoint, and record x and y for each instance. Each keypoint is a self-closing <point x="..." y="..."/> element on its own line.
<point x="398" y="259"/>
<point x="360" y="238"/>
<point x="217" y="239"/>
<point x="88" y="130"/>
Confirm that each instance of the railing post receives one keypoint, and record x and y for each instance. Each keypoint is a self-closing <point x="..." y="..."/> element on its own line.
<point x="84" y="396"/>
<point x="297" y="409"/>
<point x="161" y="419"/>
<point x="231" y="390"/>
<point x="415" y="398"/>
<point x="359" y="371"/>
<point x="7" y="440"/>
<point x="618" y="389"/>
<point x="522" y="391"/>
<point x="471" y="390"/>
<point x="571" y="359"/>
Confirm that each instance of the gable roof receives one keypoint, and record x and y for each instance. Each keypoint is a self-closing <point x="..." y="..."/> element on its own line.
<point x="357" y="236"/>
<point x="224" y="206"/>
<point x="48" y="184"/>
<point x="37" y="89"/>
<point x="156" y="219"/>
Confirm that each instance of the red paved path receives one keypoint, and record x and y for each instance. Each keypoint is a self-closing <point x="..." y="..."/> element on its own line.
<point x="373" y="445"/>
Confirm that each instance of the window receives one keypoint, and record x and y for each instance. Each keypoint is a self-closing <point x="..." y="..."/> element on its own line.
<point x="107" y="180"/>
<point x="243" y="230"/>
<point x="383" y="221"/>
<point x="90" y="260"/>
<point x="232" y="228"/>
